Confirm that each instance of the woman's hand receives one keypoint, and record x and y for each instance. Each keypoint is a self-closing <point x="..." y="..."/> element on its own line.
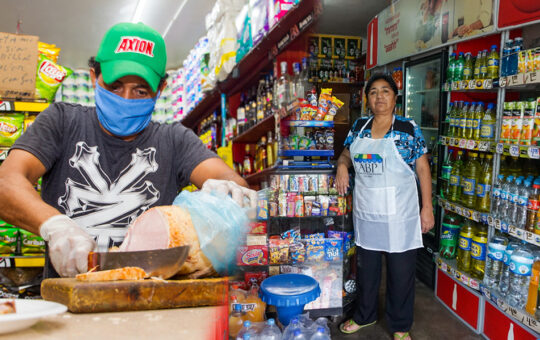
<point x="427" y="220"/>
<point x="342" y="179"/>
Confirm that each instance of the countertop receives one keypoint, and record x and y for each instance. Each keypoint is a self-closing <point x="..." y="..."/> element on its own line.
<point x="182" y="323"/>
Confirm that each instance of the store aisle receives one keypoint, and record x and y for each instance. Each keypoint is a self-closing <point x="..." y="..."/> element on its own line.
<point x="431" y="321"/>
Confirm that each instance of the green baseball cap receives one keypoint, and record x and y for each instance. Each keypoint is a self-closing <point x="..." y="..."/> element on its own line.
<point x="132" y="49"/>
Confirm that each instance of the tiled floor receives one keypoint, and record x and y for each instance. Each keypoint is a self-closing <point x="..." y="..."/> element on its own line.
<point x="432" y="321"/>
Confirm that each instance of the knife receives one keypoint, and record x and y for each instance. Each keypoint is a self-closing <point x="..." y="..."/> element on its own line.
<point x="162" y="263"/>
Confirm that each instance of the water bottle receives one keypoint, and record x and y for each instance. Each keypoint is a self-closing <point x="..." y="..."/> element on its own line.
<point x="505" y="195"/>
<point x="513" y="200"/>
<point x="494" y="261"/>
<point x="289" y="330"/>
<point x="496" y="195"/>
<point x="320" y="334"/>
<point x="323" y="322"/>
<point x="270" y="331"/>
<point x="521" y="263"/>
<point x="521" y="208"/>
<point x="504" y="282"/>
<point x="246" y="329"/>
<point x="298" y="334"/>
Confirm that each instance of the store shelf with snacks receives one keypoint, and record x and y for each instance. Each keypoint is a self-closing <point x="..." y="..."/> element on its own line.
<point x="258" y="176"/>
<point x="523" y="151"/>
<point x="450" y="267"/>
<point x="254" y="133"/>
<point x="471" y="214"/>
<point x="530" y="80"/>
<point x="514" y="231"/>
<point x="469" y="144"/>
<point x="522" y="317"/>
<point x="21" y="261"/>
<point x="22" y="106"/>
<point x="306" y="153"/>
<point x="472" y="85"/>
<point x="309" y="123"/>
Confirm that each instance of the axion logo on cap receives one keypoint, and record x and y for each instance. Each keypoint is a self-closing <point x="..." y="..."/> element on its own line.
<point x="136" y="45"/>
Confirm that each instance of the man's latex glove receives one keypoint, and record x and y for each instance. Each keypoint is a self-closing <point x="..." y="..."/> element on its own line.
<point x="69" y="245"/>
<point x="244" y="197"/>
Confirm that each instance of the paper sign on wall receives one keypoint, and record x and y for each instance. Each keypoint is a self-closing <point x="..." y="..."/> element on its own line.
<point x="18" y="62"/>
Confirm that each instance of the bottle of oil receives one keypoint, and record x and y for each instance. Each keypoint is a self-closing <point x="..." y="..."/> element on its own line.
<point x="476" y="122"/>
<point x="454" y="192"/>
<point x="469" y="179"/>
<point x="483" y="187"/>
<point x="270" y="150"/>
<point x="478" y="252"/>
<point x="464" y="249"/>
<point x="463" y="120"/>
<point x="469" y="117"/>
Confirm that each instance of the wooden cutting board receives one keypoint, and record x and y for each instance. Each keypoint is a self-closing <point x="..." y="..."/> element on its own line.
<point x="130" y="295"/>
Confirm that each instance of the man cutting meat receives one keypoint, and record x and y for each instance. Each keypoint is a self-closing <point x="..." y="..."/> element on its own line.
<point x="103" y="166"/>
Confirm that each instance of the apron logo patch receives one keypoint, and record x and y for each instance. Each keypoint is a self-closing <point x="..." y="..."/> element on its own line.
<point x="369" y="164"/>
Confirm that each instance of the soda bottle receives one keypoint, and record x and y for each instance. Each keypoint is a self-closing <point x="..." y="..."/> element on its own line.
<point x="524" y="191"/>
<point x="504" y="282"/>
<point x="483" y="187"/>
<point x="477" y="61"/>
<point x="477" y="119"/>
<point x="449" y="235"/>
<point x="236" y="320"/>
<point x="463" y="120"/>
<point x="494" y="261"/>
<point x="454" y="194"/>
<point x="271" y="331"/>
<point x="532" y="205"/>
<point x="446" y="170"/>
<point x="521" y="263"/>
<point x="478" y="252"/>
<point x="469" y="116"/>
<point x="464" y="249"/>
<point x="451" y="68"/>
<point x="493" y="63"/>
<point x="483" y="65"/>
<point x="532" y="298"/>
<point x="505" y="194"/>
<point x="468" y="67"/>
<point x="458" y="69"/>
<point x="468" y="181"/>
<point x="496" y="195"/>
<point x="487" y="124"/>
<point x="452" y="119"/>
<point x="255" y="306"/>
<point x="513" y="197"/>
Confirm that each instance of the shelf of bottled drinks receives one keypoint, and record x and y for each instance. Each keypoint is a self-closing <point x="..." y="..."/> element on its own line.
<point x="450" y="267"/>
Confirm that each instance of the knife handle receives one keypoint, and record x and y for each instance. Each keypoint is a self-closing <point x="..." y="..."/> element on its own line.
<point x="93" y="263"/>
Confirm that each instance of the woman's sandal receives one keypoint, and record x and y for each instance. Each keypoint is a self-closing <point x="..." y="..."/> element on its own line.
<point x="351" y="322"/>
<point x="402" y="336"/>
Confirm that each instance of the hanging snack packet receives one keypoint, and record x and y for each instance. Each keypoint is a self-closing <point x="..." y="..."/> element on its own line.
<point x="31" y="243"/>
<point x="11" y="128"/>
<point x="50" y="51"/>
<point x="49" y="77"/>
<point x="333" y="249"/>
<point x="297" y="252"/>
<point x="8" y="240"/>
<point x="325" y="99"/>
<point x="335" y="105"/>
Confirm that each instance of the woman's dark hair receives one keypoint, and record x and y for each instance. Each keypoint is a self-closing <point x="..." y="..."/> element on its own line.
<point x="379" y="76"/>
<point x="92" y="63"/>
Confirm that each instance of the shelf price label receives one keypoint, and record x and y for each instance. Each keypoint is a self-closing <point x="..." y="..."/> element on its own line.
<point x="458" y="210"/>
<point x="503" y="81"/>
<point x="504" y="227"/>
<point x="455" y="85"/>
<point x="453" y="141"/>
<point x="498" y="224"/>
<point x="491" y="221"/>
<point x="471" y="144"/>
<point x="488" y="84"/>
<point x="512" y="230"/>
<point x="533" y="152"/>
<point x="483" y="146"/>
<point x="442" y="140"/>
<point x="514" y="150"/>
<point x="499" y="148"/>
<point x="444" y="266"/>
<point x="472" y="84"/>
<point x="463" y="85"/>
<point x="467" y="213"/>
<point x="474" y="284"/>
<point x="462" y="143"/>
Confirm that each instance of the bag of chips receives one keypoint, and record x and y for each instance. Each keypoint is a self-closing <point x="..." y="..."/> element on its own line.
<point x="11" y="128"/>
<point x="31" y="243"/>
<point x="49" y="50"/>
<point x="8" y="240"/>
<point x="49" y="77"/>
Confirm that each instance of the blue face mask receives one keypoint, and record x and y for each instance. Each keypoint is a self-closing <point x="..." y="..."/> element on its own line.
<point x="123" y="117"/>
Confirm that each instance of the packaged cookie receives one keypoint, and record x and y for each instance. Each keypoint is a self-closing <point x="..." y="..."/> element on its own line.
<point x="8" y="240"/>
<point x="333" y="249"/>
<point x="299" y="206"/>
<point x="279" y="251"/>
<point x="274" y="182"/>
<point x="329" y="139"/>
<point x="297" y="252"/>
<point x="293" y="183"/>
<point x="315" y="249"/>
<point x="325" y="204"/>
<point x="291" y="235"/>
<point x="323" y="184"/>
<point x="284" y="183"/>
<point x="308" y="205"/>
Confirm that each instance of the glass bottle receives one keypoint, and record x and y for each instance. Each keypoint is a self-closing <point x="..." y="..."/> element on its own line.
<point x="283" y="87"/>
<point x="248" y="162"/>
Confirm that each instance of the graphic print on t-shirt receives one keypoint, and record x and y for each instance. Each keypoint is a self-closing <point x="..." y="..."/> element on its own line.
<point x="103" y="206"/>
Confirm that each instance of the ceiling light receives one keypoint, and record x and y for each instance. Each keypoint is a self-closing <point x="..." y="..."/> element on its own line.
<point x="138" y="11"/>
<point x="180" y="8"/>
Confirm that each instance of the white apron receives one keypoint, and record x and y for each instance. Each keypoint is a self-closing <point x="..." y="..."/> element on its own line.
<point x="386" y="211"/>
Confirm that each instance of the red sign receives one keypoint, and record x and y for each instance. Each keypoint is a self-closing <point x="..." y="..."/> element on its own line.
<point x="518" y="12"/>
<point x="372" y="39"/>
<point x="498" y="326"/>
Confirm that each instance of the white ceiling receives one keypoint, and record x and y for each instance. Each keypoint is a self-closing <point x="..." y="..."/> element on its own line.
<point x="77" y="26"/>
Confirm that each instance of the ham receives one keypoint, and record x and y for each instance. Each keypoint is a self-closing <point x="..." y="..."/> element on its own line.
<point x="7" y="307"/>
<point x="125" y="273"/>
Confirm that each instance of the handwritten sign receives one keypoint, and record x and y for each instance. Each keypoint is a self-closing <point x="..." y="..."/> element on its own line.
<point x="18" y="62"/>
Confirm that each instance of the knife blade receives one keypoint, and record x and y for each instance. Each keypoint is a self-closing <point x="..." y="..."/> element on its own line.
<point x="163" y="263"/>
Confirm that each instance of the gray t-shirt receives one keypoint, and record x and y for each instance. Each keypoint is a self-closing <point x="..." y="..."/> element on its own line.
<point x="103" y="182"/>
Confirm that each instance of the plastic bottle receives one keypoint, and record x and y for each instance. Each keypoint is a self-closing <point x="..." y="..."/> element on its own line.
<point x="454" y="194"/>
<point x="469" y="117"/>
<point x="521" y="263"/>
<point x="257" y="307"/>
<point x="504" y="282"/>
<point x="468" y="180"/>
<point x="463" y="120"/>
<point x="495" y="261"/>
<point x="451" y="119"/>
<point x="532" y="297"/>
<point x="496" y="195"/>
<point x="458" y="69"/>
<point x="289" y="330"/>
<point x="476" y="122"/>
<point x="533" y="204"/>
<point x="457" y="118"/>
<point x="483" y="186"/>
<point x="483" y="65"/>
<point x="451" y="68"/>
<point x="464" y="249"/>
<point x="477" y="61"/>
<point x="493" y="63"/>
<point x="513" y="197"/>
<point x="513" y="57"/>
<point x="446" y="170"/>
<point x="478" y="252"/>
<point x="320" y="334"/>
<point x="468" y="67"/>
<point x="246" y="329"/>
<point x="236" y="320"/>
<point x="449" y="235"/>
<point x="298" y="335"/>
<point x="524" y="191"/>
<point x="506" y="54"/>
<point x="505" y="195"/>
<point x="270" y="331"/>
<point x="487" y="124"/>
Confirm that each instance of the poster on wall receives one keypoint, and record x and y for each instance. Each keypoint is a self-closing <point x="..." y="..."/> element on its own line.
<point x="517" y="12"/>
<point x="408" y="27"/>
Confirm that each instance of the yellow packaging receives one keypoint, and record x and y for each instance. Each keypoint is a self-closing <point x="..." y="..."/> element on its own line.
<point x="537" y="59"/>
<point x="28" y="120"/>
<point x="536" y="128"/>
<point x="522" y="67"/>
<point x="11" y="127"/>
<point x="49" y="50"/>
<point x="530" y="60"/>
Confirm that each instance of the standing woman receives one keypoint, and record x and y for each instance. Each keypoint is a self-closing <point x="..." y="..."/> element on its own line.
<point x="389" y="211"/>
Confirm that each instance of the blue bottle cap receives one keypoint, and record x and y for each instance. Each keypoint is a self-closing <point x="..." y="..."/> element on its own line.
<point x="289" y="290"/>
<point x="490" y="105"/>
<point x="247" y="323"/>
<point x="320" y="329"/>
<point x="493" y="47"/>
<point x="297" y="332"/>
<point x="270" y="322"/>
<point x="237" y="307"/>
<point x="460" y="53"/>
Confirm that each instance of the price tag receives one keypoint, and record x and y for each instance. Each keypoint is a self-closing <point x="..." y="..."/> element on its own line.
<point x="498" y="224"/>
<point x="455" y="86"/>
<point x="514" y="150"/>
<point x="486" y="293"/>
<point x="471" y="144"/>
<point x="504" y="227"/>
<point x="502" y="81"/>
<point x="458" y="210"/>
<point x="476" y="216"/>
<point x="512" y="230"/>
<point x="444" y="266"/>
<point x="465" y="279"/>
<point x="533" y="152"/>
<point x="442" y="140"/>
<point x="472" y="84"/>
<point x="499" y="148"/>
<point x="483" y="146"/>
<point x="462" y="143"/>
<point x="453" y="141"/>
<point x="463" y="85"/>
<point x="447" y="205"/>
<point x="491" y="221"/>
<point x="474" y="284"/>
<point x="446" y="87"/>
<point x="467" y="213"/>
<point x="488" y="84"/>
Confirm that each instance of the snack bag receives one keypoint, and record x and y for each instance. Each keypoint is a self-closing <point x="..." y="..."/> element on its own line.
<point x="8" y="240"/>
<point x="28" y="120"/>
<point x="279" y="251"/>
<point x="49" y="77"/>
<point x="11" y="128"/>
<point x="335" y="105"/>
<point x="31" y="243"/>
<point x="50" y="51"/>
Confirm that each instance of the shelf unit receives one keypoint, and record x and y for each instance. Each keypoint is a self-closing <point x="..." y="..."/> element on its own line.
<point x="450" y="267"/>
<point x="21" y="261"/>
<point x="254" y="133"/>
<point x="469" y="144"/>
<point x="23" y="106"/>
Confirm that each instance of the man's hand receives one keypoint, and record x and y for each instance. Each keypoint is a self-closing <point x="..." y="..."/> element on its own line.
<point x="238" y="193"/>
<point x="69" y="245"/>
